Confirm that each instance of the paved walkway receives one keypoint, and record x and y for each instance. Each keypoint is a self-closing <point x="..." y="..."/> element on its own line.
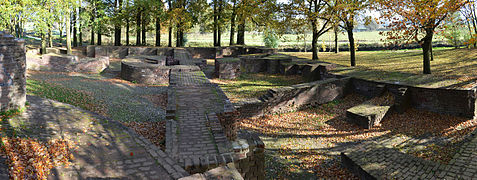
<point x="376" y="159"/>
<point x="106" y="148"/>
<point x="197" y="101"/>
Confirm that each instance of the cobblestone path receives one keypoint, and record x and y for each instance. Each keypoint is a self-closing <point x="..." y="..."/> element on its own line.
<point x="106" y="148"/>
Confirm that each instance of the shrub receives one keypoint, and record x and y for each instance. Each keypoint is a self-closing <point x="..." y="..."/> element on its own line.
<point x="270" y="38"/>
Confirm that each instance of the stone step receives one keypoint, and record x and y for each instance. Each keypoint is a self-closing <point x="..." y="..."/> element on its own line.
<point x="367" y="115"/>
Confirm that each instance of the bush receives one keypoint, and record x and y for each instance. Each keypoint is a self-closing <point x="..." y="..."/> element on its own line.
<point x="270" y="39"/>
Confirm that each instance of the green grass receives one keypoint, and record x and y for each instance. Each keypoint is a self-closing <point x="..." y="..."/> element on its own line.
<point x="452" y="68"/>
<point x="255" y="85"/>
<point x="63" y="94"/>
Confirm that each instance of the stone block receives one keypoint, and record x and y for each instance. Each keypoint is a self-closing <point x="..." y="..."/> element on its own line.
<point x="149" y="51"/>
<point x="94" y="65"/>
<point x="367" y="115"/>
<point x="275" y="63"/>
<point x="12" y="72"/>
<point x="227" y="68"/>
<point x="57" y="62"/>
<point x="52" y="51"/>
<point x="90" y="50"/>
<point x="139" y="71"/>
<point x="253" y="63"/>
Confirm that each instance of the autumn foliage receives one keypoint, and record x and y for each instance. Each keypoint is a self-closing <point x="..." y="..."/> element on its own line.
<point x="416" y="21"/>
<point x="31" y="159"/>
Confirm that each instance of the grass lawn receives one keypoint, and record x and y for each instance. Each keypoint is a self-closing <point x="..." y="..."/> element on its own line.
<point x="254" y="85"/>
<point x="451" y="68"/>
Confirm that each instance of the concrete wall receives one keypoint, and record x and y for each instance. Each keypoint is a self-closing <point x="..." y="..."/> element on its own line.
<point x="12" y="72"/>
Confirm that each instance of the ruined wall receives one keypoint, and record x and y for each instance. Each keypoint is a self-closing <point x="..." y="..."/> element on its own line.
<point x="12" y="72"/>
<point x="457" y="102"/>
<point x="250" y="151"/>
<point x="296" y="97"/>
<point x="197" y="52"/>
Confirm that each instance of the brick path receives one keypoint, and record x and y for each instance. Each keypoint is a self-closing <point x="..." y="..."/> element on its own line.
<point x="104" y="145"/>
<point x="197" y="101"/>
<point x="377" y="160"/>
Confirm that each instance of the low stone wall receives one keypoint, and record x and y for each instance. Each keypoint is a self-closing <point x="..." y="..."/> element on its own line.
<point x="67" y="63"/>
<point x="196" y="52"/>
<point x="253" y="63"/>
<point x="94" y="65"/>
<point x="227" y="68"/>
<point x="204" y="52"/>
<point x="148" y="51"/>
<point x="135" y="70"/>
<point x="301" y="96"/>
<point x="458" y="102"/>
<point x="108" y="51"/>
<point x="292" y="98"/>
<point x="12" y="72"/>
<point x="251" y="153"/>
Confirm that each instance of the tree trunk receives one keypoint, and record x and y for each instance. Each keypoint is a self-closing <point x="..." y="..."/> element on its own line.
<point x="68" y="33"/>
<point x="178" y="36"/>
<point x="80" y="42"/>
<point x="352" y="48"/>
<point x="50" y="37"/>
<point x="219" y="25"/>
<point x="169" y="2"/>
<point x="75" y="29"/>
<point x="80" y="29"/>
<point x="232" y="24"/>
<point x="426" y="51"/>
<point x="215" y="23"/>
<point x="170" y="36"/>
<point x="127" y="31"/>
<point x="144" y="30"/>
<point x="158" y="31"/>
<point x="99" y="38"/>
<point x="117" y="25"/>
<point x="43" y="43"/>
<point x="241" y="33"/>
<point x="92" y="30"/>
<point x="337" y="48"/>
<point x="138" y="27"/>
<point x="314" y="41"/>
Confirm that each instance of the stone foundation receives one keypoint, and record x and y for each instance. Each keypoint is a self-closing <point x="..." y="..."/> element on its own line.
<point x="138" y="71"/>
<point x="251" y="153"/>
<point x="12" y="72"/>
<point x="457" y="102"/>
<point x="227" y="68"/>
<point x="292" y="98"/>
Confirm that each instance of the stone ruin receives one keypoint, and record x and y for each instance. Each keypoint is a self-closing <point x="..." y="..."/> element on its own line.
<point x="156" y="67"/>
<point x="232" y="67"/>
<point x="56" y="59"/>
<point x="12" y="72"/>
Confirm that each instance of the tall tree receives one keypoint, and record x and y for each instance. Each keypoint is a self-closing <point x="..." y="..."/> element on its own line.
<point x="347" y="12"/>
<point x="316" y="13"/>
<point x="159" y="13"/>
<point x="232" y="22"/>
<point x="117" y="21"/>
<point x="416" y="21"/>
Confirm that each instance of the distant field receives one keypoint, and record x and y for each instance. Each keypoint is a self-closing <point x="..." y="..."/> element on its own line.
<point x="256" y="39"/>
<point x="453" y="68"/>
